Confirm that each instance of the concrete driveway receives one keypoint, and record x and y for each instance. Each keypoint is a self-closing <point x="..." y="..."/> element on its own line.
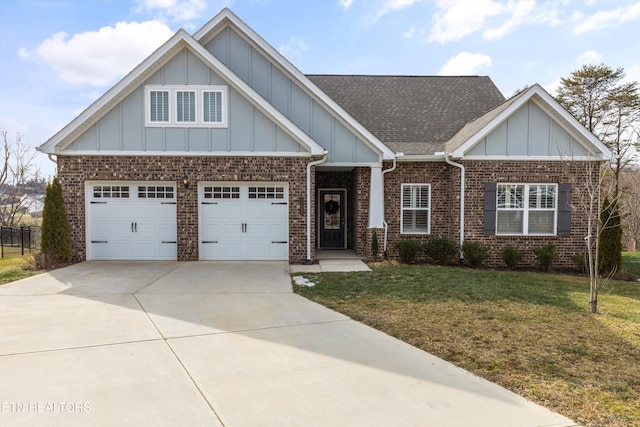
<point x="219" y="344"/>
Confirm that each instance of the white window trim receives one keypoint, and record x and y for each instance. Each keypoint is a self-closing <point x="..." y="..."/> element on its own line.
<point x="402" y="209"/>
<point x="526" y="209"/>
<point x="173" y="105"/>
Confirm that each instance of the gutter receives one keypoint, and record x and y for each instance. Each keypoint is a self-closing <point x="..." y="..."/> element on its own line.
<point x="384" y="221"/>
<point x="447" y="158"/>
<point x="309" y="165"/>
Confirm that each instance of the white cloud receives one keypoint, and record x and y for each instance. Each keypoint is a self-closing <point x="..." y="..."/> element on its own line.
<point x="98" y="57"/>
<point x="294" y="47"/>
<point x="519" y="14"/>
<point x="414" y="33"/>
<point x="178" y="10"/>
<point x="465" y="63"/>
<point x="608" y="18"/>
<point x="589" y="57"/>
<point x="632" y="74"/>
<point x="456" y="19"/>
<point x="385" y="7"/>
<point x="345" y="3"/>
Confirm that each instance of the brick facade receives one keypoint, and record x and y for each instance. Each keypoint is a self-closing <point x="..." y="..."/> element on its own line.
<point x="73" y="171"/>
<point x="443" y="178"/>
<point x="445" y="203"/>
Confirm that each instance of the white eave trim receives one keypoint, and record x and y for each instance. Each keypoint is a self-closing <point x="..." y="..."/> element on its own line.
<point x="285" y="65"/>
<point x="181" y="36"/>
<point x="188" y="153"/>
<point x="421" y="158"/>
<point x="535" y="158"/>
<point x="551" y="107"/>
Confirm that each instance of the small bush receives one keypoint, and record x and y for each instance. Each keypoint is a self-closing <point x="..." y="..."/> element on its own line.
<point x="476" y="253"/>
<point x="375" y="248"/>
<point x="408" y="250"/>
<point x="441" y="250"/>
<point x="545" y="256"/>
<point x="610" y="239"/>
<point x="581" y="262"/>
<point x="512" y="256"/>
<point x="55" y="231"/>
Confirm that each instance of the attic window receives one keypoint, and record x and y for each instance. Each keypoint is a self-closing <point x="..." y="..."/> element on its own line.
<point x="185" y="106"/>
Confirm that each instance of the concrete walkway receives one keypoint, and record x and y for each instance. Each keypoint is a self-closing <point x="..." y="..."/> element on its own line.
<point x="219" y="344"/>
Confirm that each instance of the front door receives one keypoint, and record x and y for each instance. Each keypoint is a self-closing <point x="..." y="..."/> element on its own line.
<point x="331" y="212"/>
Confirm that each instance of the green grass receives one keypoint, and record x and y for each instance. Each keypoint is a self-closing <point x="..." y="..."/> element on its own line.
<point x="16" y="268"/>
<point x="530" y="332"/>
<point x="631" y="263"/>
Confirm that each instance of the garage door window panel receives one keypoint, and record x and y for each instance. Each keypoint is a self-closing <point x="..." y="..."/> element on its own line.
<point x="221" y="192"/>
<point x="155" y="192"/>
<point x="110" y="192"/>
<point x="266" y="192"/>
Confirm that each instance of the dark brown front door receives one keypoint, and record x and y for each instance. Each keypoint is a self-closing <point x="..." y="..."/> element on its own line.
<point x="331" y="212"/>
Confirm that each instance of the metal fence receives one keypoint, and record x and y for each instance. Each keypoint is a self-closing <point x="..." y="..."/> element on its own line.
<point x="19" y="240"/>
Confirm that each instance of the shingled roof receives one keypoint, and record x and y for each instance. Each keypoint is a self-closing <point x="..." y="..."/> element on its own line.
<point x="412" y="114"/>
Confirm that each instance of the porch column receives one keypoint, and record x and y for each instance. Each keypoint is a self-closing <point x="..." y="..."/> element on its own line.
<point x="376" y="199"/>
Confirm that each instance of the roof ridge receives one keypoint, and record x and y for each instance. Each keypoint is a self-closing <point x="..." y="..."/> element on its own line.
<point x="392" y="75"/>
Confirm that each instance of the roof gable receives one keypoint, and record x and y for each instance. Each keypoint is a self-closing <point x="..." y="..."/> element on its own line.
<point x="530" y="125"/>
<point x="226" y="20"/>
<point x="163" y="55"/>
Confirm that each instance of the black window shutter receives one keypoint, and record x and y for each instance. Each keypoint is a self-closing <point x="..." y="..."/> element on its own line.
<point x="564" y="209"/>
<point x="490" y="195"/>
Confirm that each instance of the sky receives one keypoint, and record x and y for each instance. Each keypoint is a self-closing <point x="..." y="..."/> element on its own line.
<point x="59" y="56"/>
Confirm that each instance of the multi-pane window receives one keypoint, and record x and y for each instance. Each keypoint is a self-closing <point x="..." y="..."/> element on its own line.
<point x="212" y="105"/>
<point x="185" y="106"/>
<point x="266" y="192"/>
<point x="159" y="106"/>
<point x="221" y="192"/>
<point x="111" y="191"/>
<point x="179" y="106"/>
<point x="415" y="208"/>
<point x="155" y="192"/>
<point x="526" y="209"/>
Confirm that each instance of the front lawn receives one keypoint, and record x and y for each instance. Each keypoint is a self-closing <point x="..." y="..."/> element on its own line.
<point x="16" y="268"/>
<point x="529" y="332"/>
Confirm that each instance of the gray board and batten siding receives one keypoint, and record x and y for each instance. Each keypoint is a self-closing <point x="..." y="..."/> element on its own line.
<point x="123" y="129"/>
<point x="529" y="132"/>
<point x="290" y="99"/>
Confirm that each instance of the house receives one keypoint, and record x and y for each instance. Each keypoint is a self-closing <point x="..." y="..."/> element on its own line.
<point x="33" y="203"/>
<point x="216" y="147"/>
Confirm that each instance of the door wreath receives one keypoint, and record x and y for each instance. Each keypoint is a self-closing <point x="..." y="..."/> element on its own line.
<point x="331" y="207"/>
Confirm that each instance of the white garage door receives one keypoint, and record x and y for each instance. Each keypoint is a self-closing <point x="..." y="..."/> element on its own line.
<point x="131" y="221"/>
<point x="243" y="221"/>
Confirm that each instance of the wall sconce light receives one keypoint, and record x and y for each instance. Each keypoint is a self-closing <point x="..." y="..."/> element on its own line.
<point x="185" y="181"/>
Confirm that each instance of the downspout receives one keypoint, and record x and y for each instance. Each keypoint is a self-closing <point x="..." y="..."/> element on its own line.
<point x="384" y="221"/>
<point x="309" y="165"/>
<point x="462" y="186"/>
<point x="51" y="158"/>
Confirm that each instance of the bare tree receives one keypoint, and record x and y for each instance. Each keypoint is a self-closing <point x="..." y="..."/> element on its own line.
<point x="589" y="190"/>
<point x="16" y="170"/>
